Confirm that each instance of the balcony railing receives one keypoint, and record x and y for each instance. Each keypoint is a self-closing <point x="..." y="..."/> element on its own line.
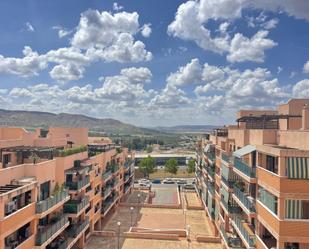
<point x="211" y="188"/>
<point x="225" y="157"/>
<point x="230" y="241"/>
<point x="244" y="168"/>
<point x="107" y="191"/>
<point x="229" y="183"/>
<point x="210" y="155"/>
<point x="49" y="231"/>
<point x="231" y="208"/>
<point x="128" y="163"/>
<point x="250" y="239"/>
<point x="210" y="170"/>
<point x="79" y="184"/>
<point x="44" y="205"/>
<point x="244" y="200"/>
<point x="74" y="206"/>
<point x="76" y="229"/>
<point x="107" y="174"/>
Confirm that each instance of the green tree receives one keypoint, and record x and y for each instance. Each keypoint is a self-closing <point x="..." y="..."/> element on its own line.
<point x="171" y="166"/>
<point x="191" y="166"/>
<point x="147" y="166"/>
<point x="149" y="149"/>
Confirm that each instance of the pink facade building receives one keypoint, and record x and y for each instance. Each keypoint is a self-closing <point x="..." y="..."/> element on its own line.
<point x="56" y="186"/>
<point x="253" y="178"/>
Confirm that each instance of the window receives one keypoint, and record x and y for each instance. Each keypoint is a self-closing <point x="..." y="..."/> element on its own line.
<point x="297" y="209"/>
<point x="272" y="164"/>
<point x="268" y="199"/>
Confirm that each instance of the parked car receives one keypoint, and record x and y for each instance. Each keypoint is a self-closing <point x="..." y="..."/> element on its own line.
<point x="156" y="181"/>
<point x="168" y="181"/>
<point x="144" y="185"/>
<point x="181" y="181"/>
<point x="189" y="186"/>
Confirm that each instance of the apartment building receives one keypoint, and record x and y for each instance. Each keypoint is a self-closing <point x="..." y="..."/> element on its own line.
<point x="57" y="186"/>
<point x="253" y="178"/>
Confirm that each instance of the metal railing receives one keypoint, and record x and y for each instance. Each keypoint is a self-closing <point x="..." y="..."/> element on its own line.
<point x="211" y="188"/>
<point x="74" y="207"/>
<point x="230" y="241"/>
<point x="225" y="157"/>
<point x="229" y="183"/>
<point x="210" y="155"/>
<point x="250" y="239"/>
<point x="244" y="200"/>
<point x="107" y="174"/>
<point x="231" y="208"/>
<point x="76" y="229"/>
<point x="244" y="168"/>
<point x="49" y="231"/>
<point x="79" y="184"/>
<point x="107" y="190"/>
<point x="210" y="170"/>
<point x="46" y="204"/>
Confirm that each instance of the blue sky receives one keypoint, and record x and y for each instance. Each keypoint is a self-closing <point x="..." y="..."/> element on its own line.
<point x="153" y="62"/>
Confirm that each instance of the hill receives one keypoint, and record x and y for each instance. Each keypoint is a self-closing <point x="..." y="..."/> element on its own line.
<point x="34" y="119"/>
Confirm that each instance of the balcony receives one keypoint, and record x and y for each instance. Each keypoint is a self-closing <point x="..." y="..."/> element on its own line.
<point x="228" y="183"/>
<point x="52" y="201"/>
<point x="225" y="157"/>
<point x="210" y="170"/>
<point x="231" y="241"/>
<point x="75" y="206"/>
<point x="51" y="230"/>
<point x="211" y="188"/>
<point x="244" y="168"/>
<point x="107" y="191"/>
<point x="244" y="231"/>
<point x="231" y="208"/>
<point x="75" y="186"/>
<point x="128" y="163"/>
<point x="107" y="174"/>
<point x="126" y="177"/>
<point x="245" y="201"/>
<point x="75" y="229"/>
<point x="210" y="155"/>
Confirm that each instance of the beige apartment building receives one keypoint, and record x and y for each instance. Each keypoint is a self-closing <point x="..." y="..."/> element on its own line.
<point x="57" y="186"/>
<point x="253" y="178"/>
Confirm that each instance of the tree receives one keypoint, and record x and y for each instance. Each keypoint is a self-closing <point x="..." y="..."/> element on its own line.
<point x="149" y="149"/>
<point x="171" y="166"/>
<point x="191" y="166"/>
<point x="147" y="166"/>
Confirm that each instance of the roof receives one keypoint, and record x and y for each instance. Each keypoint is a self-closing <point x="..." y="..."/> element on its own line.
<point x="244" y="151"/>
<point x="28" y="149"/>
<point x="266" y="117"/>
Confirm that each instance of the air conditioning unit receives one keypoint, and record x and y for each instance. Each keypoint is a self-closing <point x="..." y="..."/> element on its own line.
<point x="10" y="207"/>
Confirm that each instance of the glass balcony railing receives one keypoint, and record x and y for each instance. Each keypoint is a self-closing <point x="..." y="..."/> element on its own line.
<point x="107" y="174"/>
<point x="46" y="204"/>
<point x="211" y="155"/>
<point x="231" y="208"/>
<point x="250" y="239"/>
<point x="107" y="191"/>
<point x="225" y="157"/>
<point x="210" y="170"/>
<point x="232" y="242"/>
<point x="76" y="229"/>
<point x="79" y="184"/>
<point x="49" y="230"/>
<point x="126" y="177"/>
<point x="128" y="163"/>
<point x="74" y="206"/>
<point x="229" y="183"/>
<point x="244" y="168"/>
<point x="211" y="188"/>
<point x="250" y="205"/>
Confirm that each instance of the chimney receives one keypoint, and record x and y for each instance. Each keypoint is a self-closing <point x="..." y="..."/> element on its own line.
<point x="305" y="117"/>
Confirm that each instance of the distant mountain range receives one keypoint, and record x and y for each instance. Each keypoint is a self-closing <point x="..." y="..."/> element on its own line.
<point x="186" y="128"/>
<point x="34" y="119"/>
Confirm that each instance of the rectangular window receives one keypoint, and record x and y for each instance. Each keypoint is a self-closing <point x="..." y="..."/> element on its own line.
<point x="297" y="209"/>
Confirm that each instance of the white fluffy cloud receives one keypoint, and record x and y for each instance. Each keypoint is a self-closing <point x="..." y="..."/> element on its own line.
<point x="301" y="89"/>
<point x="306" y="67"/>
<point x="29" y="27"/>
<point x="99" y="36"/>
<point x="192" y="17"/>
<point x="146" y="30"/>
<point x="31" y="64"/>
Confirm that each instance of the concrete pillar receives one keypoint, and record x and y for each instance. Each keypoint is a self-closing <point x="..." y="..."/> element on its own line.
<point x="305" y="118"/>
<point x="281" y="166"/>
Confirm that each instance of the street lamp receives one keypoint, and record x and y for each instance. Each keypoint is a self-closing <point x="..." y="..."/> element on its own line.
<point x="118" y="224"/>
<point x="188" y="236"/>
<point x="131" y="209"/>
<point x="185" y="212"/>
<point x="138" y="198"/>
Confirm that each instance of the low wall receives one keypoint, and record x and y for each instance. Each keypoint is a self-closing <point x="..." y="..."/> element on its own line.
<point x="207" y="239"/>
<point x="148" y="205"/>
<point x="151" y="236"/>
<point x="178" y="232"/>
<point x="193" y="207"/>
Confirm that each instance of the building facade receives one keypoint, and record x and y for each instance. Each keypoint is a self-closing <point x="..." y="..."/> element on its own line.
<point x="56" y="186"/>
<point x="253" y="178"/>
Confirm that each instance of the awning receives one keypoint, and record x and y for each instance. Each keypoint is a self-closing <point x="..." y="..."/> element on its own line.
<point x="207" y="148"/>
<point x="244" y="151"/>
<point x="298" y="167"/>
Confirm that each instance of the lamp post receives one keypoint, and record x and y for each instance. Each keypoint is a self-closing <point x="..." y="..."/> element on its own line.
<point x="138" y="201"/>
<point x="118" y="224"/>
<point x="188" y="236"/>
<point x="185" y="212"/>
<point x="131" y="209"/>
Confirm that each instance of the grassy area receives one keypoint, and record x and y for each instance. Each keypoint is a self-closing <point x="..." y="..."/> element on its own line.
<point x="161" y="174"/>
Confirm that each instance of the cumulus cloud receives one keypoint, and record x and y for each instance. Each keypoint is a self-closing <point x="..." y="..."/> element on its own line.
<point x="99" y="36"/>
<point x="146" y="30"/>
<point x="117" y="7"/>
<point x="306" y="67"/>
<point x="29" y="27"/>
<point x="192" y="17"/>
<point x="301" y="89"/>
